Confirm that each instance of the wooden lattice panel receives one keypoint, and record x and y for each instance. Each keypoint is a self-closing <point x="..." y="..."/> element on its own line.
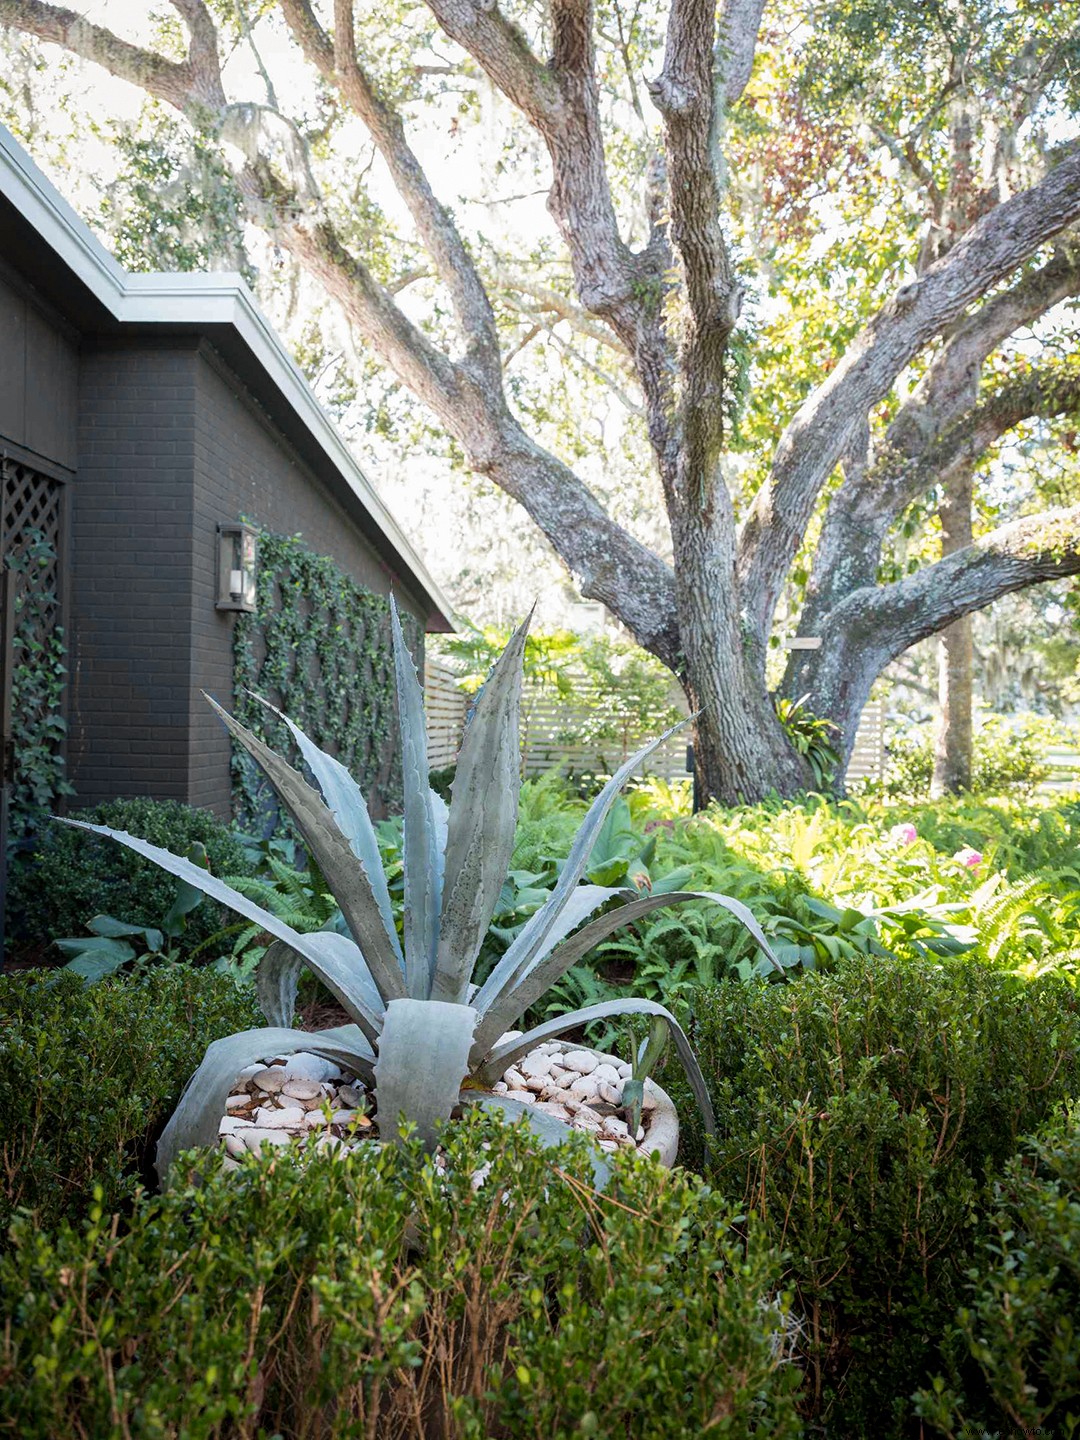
<point x="31" y="507"/>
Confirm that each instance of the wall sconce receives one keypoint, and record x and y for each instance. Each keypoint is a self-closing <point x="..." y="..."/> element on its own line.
<point x="238" y="550"/>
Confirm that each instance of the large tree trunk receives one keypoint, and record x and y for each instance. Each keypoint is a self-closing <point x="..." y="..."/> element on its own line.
<point x="953" y="738"/>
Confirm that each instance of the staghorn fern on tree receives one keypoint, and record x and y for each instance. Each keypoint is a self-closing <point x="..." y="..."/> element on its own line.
<point x="422" y="1033"/>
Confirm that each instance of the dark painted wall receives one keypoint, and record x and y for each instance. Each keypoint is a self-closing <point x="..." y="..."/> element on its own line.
<point x="39" y="364"/>
<point x="171" y="444"/>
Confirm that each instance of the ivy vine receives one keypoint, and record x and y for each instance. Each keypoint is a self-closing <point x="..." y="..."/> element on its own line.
<point x="319" y="648"/>
<point x="38" y="676"/>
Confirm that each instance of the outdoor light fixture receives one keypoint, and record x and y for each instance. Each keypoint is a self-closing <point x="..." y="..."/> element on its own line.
<point x="237" y="558"/>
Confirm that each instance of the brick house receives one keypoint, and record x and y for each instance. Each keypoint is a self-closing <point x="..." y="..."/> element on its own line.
<point x="138" y="414"/>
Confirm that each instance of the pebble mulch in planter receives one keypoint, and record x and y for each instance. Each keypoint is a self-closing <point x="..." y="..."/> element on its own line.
<point x="287" y="1099"/>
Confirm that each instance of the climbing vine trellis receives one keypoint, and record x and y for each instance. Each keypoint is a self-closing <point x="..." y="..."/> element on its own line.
<point x="319" y="648"/>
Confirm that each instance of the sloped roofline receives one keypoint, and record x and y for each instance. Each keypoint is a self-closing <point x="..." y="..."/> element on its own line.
<point x="210" y="301"/>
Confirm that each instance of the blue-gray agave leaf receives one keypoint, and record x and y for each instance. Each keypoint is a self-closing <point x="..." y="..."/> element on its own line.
<point x="422" y="853"/>
<point x="513" y="1050"/>
<point x="196" y="1119"/>
<point x="423" y="1058"/>
<point x="483" y="818"/>
<point x="349" y="809"/>
<point x="517" y="993"/>
<point x="330" y="968"/>
<point x="535" y="937"/>
<point x="279" y="972"/>
<point x="343" y="872"/>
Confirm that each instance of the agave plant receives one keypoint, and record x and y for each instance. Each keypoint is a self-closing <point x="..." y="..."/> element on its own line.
<point x="423" y="1036"/>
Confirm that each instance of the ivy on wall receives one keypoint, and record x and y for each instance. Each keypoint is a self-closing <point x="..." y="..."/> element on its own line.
<point x="319" y="648"/>
<point x="39" y="672"/>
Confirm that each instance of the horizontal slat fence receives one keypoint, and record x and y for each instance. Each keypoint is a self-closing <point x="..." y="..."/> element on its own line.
<point x="549" y="726"/>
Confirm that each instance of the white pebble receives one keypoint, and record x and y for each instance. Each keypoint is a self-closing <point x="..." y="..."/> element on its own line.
<point x="344" y="1117"/>
<point x="303" y="1066"/>
<point x="257" y="1137"/>
<point x="525" y="1096"/>
<point x="228" y="1163"/>
<point x="608" y="1145"/>
<point x="510" y="1035"/>
<point x="607" y="1072"/>
<point x="615" y="1127"/>
<point x="236" y="1102"/>
<point x="351" y="1095"/>
<point x="549" y="1107"/>
<point x="581" y="1061"/>
<point x="535" y="1066"/>
<point x="585" y="1086"/>
<point x="624" y="1068"/>
<point x="611" y="1094"/>
<point x="514" y="1078"/>
<point x="313" y="1119"/>
<point x="235" y="1146"/>
<point x="249" y="1071"/>
<point x="270" y="1080"/>
<point x="230" y="1124"/>
<point x="297" y="1089"/>
<point x="500" y="1087"/>
<point x="284" y="1119"/>
<point x="586" y="1119"/>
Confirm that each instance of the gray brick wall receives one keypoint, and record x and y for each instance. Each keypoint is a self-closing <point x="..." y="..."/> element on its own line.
<point x="171" y="444"/>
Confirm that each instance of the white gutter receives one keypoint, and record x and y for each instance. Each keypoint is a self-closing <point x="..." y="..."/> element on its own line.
<point x="193" y="299"/>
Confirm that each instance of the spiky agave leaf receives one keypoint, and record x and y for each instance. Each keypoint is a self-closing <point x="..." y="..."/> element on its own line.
<point x="498" y="1012"/>
<point x="536" y="935"/>
<point x="423" y="1058"/>
<point x="483" y="820"/>
<point x="343" y="872"/>
<point x="422" y="854"/>
<point x="196" y="1119"/>
<point x="279" y="970"/>
<point x="347" y="976"/>
<point x="514" y="1050"/>
<point x="346" y="802"/>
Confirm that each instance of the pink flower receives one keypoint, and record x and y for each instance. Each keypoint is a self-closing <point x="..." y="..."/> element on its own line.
<point x="904" y="834"/>
<point x="971" y="858"/>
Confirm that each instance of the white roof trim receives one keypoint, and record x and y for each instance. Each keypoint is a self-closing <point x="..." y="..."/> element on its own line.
<point x="193" y="299"/>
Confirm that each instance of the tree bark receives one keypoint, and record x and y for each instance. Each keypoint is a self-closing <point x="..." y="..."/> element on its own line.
<point x="953" y="738"/>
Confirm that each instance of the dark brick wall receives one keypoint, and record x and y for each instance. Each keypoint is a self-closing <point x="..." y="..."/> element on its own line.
<point x="171" y="444"/>
<point x="39" y="362"/>
<point x="129" y="696"/>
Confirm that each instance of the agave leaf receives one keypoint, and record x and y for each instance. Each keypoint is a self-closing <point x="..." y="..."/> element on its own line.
<point x="343" y="872"/>
<point x="514" y="1050"/>
<point x="549" y="1131"/>
<point x="350" y="811"/>
<point x="279" y="972"/>
<point x="196" y="1119"/>
<point x="326" y="963"/>
<point x="535" y="940"/>
<point x="521" y="956"/>
<point x="423" y="1058"/>
<point x="515" y="996"/>
<point x="423" y="856"/>
<point x="483" y="818"/>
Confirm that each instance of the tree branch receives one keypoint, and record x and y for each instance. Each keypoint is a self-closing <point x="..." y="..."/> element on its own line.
<point x="338" y="64"/>
<point x="866" y="504"/>
<point x="740" y="21"/>
<point x="180" y="84"/>
<point x="815" y="438"/>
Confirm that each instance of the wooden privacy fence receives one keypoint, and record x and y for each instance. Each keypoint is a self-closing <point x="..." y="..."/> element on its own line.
<point x="549" y="725"/>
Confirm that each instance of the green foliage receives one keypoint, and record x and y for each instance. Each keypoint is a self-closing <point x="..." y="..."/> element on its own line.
<point x="293" y="1299"/>
<point x="1006" y="759"/>
<point x="74" y="877"/>
<point x="319" y="648"/>
<point x="38" y="727"/>
<point x="811" y="737"/>
<point x="88" y="1075"/>
<point x="864" y="1112"/>
<point x="1014" y="1353"/>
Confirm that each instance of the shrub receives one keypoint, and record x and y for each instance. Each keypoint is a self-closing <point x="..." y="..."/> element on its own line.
<point x="862" y="1113"/>
<point x="89" y="1074"/>
<point x="1005" y="758"/>
<point x="75" y="876"/>
<point x="1014" y="1352"/>
<point x="286" y="1299"/>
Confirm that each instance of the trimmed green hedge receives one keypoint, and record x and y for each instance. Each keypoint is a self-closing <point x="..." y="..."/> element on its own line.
<point x="380" y="1296"/>
<point x="90" y="1074"/>
<point x="73" y="876"/>
<point x="863" y="1115"/>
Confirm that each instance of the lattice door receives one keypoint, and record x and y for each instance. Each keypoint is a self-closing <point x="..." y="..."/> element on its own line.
<point x="31" y="550"/>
